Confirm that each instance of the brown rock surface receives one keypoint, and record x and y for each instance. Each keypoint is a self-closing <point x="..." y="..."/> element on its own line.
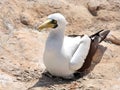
<point x="21" y="46"/>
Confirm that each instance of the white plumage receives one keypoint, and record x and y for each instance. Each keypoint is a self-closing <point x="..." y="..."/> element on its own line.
<point x="63" y="55"/>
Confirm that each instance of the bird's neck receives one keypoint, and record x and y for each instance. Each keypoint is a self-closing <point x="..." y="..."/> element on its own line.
<point x="57" y="34"/>
<point x="56" y="38"/>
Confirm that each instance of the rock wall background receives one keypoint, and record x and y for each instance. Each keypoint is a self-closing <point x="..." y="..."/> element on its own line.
<point x="22" y="46"/>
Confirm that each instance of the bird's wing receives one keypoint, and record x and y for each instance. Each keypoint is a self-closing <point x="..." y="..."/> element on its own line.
<point x="80" y="50"/>
<point x="70" y="45"/>
<point x="77" y="48"/>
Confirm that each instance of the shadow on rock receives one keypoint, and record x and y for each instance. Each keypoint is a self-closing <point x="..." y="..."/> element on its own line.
<point x="47" y="81"/>
<point x="95" y="59"/>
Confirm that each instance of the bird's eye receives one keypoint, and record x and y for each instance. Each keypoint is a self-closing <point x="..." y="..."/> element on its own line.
<point x="54" y="21"/>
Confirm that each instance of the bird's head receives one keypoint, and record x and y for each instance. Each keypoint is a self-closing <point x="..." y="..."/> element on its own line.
<point x="55" y="20"/>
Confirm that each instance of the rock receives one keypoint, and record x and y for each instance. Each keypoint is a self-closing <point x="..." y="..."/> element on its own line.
<point x="9" y="82"/>
<point x="95" y="5"/>
<point x="106" y="15"/>
<point x="22" y="47"/>
<point x="114" y="38"/>
<point x="25" y="19"/>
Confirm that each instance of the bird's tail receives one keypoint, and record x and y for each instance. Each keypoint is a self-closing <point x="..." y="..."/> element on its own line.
<point x="95" y="40"/>
<point x="101" y="35"/>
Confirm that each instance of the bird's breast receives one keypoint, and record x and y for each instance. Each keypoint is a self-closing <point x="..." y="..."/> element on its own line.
<point x="56" y="63"/>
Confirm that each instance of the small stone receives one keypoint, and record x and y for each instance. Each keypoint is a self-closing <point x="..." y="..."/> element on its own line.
<point x="25" y="19"/>
<point x="2" y="58"/>
<point x="113" y="39"/>
<point x="19" y="78"/>
<point x="93" y="7"/>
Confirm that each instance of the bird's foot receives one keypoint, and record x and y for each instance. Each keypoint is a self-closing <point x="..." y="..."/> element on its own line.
<point x="78" y="75"/>
<point x="68" y="77"/>
<point x="48" y="74"/>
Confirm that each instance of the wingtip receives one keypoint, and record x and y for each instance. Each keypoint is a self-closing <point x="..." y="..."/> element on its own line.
<point x="104" y="34"/>
<point x="97" y="33"/>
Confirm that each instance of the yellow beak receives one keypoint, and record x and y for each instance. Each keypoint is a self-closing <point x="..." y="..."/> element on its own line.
<point x="47" y="24"/>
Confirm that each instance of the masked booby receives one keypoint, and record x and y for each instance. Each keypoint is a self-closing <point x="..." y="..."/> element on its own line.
<point x="65" y="55"/>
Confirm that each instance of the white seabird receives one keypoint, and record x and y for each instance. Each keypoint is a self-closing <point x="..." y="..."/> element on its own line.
<point x="64" y="55"/>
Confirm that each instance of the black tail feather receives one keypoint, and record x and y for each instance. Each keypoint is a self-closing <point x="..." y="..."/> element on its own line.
<point x="96" y="39"/>
<point x="101" y="34"/>
<point x="97" y="33"/>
